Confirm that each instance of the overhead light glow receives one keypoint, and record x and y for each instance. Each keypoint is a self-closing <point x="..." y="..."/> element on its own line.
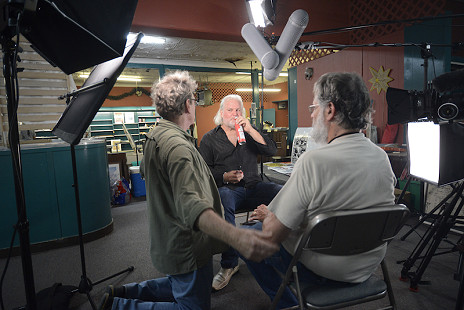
<point x="270" y="90"/>
<point x="147" y="39"/>
<point x="153" y="40"/>
<point x="120" y="78"/>
<point x="257" y="12"/>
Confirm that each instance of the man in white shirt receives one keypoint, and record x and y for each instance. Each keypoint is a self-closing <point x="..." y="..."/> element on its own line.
<point x="348" y="172"/>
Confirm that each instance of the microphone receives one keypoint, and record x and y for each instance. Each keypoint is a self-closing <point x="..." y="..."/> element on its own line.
<point x="295" y="26"/>
<point x="449" y="81"/>
<point x="266" y="55"/>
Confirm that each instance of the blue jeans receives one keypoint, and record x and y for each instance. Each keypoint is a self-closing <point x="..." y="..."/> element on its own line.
<point x="243" y="198"/>
<point x="265" y="273"/>
<point x="185" y="291"/>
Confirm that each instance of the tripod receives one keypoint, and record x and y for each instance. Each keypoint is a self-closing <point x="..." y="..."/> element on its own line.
<point x="432" y="238"/>
<point x="85" y="285"/>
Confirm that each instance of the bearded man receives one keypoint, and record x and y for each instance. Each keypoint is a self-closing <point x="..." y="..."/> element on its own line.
<point x="347" y="172"/>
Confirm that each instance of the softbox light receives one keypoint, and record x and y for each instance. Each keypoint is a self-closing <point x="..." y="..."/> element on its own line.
<point x="82" y="108"/>
<point x="75" y="35"/>
<point x="436" y="152"/>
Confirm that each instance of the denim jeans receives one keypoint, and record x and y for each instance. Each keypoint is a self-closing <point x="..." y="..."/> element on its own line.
<point x="185" y="291"/>
<point x="241" y="197"/>
<point x="265" y="273"/>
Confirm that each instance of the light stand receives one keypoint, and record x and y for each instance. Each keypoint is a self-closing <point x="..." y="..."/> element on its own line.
<point x="261" y="125"/>
<point x="10" y="49"/>
<point x="85" y="102"/>
<point x="59" y="39"/>
<point x="85" y="285"/>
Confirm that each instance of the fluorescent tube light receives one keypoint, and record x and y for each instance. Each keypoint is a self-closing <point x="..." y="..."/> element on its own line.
<point x="120" y="78"/>
<point x="147" y="39"/>
<point x="271" y="90"/>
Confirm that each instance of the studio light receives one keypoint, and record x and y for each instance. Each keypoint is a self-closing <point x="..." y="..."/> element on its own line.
<point x="436" y="152"/>
<point x="261" y="12"/>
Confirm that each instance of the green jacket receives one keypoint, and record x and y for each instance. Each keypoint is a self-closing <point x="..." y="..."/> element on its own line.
<point x="179" y="188"/>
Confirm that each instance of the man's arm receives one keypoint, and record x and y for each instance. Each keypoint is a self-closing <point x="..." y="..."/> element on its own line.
<point x="252" y="244"/>
<point x="271" y="223"/>
<point x="279" y="232"/>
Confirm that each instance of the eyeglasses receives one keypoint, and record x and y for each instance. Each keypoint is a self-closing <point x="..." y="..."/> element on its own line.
<point x="312" y="108"/>
<point x="195" y="101"/>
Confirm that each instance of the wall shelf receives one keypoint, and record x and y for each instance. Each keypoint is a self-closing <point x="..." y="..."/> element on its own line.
<point x="107" y="123"/>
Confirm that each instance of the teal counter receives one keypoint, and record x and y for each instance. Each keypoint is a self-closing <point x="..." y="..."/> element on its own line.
<point x="49" y="194"/>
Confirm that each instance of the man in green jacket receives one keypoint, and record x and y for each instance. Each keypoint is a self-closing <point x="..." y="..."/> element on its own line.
<point x="184" y="211"/>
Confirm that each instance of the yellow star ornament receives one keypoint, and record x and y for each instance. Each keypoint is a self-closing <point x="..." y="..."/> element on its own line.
<point x="380" y="79"/>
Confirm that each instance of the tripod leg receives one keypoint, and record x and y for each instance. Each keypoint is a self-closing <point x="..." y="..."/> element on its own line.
<point x="439" y="205"/>
<point x="129" y="269"/>
<point x="443" y="227"/>
<point x="417" y="253"/>
<point x="460" y="275"/>
<point x="440" y="233"/>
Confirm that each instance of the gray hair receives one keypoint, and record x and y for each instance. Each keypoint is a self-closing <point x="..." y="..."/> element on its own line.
<point x="218" y="117"/>
<point x="349" y="95"/>
<point x="171" y="92"/>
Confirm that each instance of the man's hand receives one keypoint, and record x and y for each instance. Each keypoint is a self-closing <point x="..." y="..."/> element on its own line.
<point x="259" y="213"/>
<point x="244" y="122"/>
<point x="233" y="176"/>
<point x="254" y="244"/>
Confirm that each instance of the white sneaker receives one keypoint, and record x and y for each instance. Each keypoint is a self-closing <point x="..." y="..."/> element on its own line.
<point x="223" y="277"/>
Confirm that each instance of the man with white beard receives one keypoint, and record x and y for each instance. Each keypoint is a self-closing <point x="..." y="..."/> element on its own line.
<point x="347" y="172"/>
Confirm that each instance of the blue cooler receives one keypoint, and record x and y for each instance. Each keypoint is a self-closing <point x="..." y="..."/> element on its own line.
<point x="138" y="184"/>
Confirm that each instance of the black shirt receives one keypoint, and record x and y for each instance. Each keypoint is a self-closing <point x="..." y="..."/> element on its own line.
<point x="222" y="156"/>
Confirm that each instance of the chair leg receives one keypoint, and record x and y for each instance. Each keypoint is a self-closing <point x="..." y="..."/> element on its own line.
<point x="386" y="277"/>
<point x="298" y="289"/>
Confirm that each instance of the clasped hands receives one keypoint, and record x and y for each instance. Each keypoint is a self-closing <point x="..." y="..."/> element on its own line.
<point x="233" y="176"/>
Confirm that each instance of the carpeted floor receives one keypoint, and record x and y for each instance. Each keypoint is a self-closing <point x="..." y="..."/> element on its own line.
<point x="127" y="246"/>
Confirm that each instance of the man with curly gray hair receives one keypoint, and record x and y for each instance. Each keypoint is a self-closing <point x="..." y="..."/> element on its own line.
<point x="185" y="214"/>
<point x="347" y="172"/>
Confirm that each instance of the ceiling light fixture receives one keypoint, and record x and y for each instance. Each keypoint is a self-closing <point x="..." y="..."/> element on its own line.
<point x="260" y="12"/>
<point x="280" y="74"/>
<point x="120" y="78"/>
<point x="270" y="90"/>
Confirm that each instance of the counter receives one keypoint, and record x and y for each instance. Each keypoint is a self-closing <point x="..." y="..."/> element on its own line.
<point x="49" y="192"/>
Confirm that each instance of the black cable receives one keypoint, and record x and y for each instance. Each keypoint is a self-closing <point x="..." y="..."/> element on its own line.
<point x="382" y="23"/>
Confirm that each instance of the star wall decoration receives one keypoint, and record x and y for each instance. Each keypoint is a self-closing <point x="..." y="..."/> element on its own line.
<point x="380" y="79"/>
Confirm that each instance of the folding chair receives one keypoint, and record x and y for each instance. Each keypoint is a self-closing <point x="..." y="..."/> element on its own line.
<point x="345" y="232"/>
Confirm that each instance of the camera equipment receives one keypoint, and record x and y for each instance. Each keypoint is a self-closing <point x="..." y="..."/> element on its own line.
<point x="410" y="105"/>
<point x="435" y="155"/>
